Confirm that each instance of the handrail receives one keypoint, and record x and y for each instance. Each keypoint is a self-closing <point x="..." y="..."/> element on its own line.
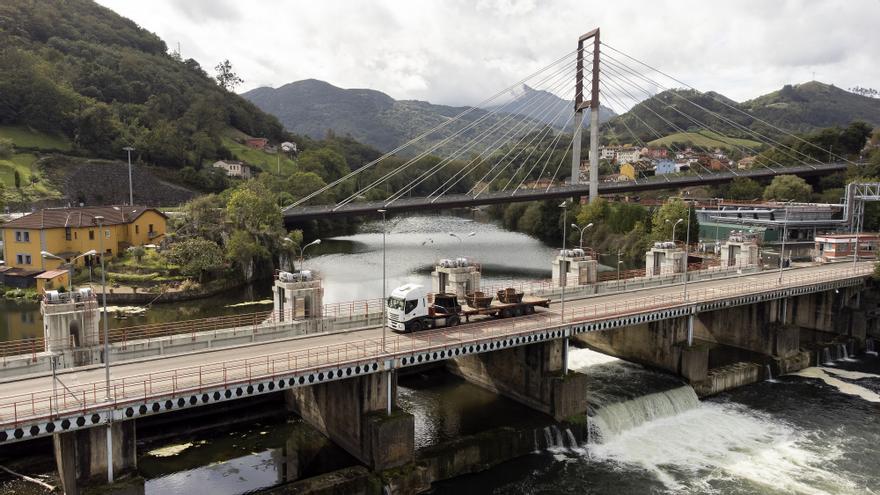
<point x="185" y="380"/>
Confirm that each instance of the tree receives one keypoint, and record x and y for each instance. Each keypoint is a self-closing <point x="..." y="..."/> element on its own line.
<point x="788" y="188"/>
<point x="243" y="249"/>
<point x="744" y="188"/>
<point x="253" y="208"/>
<point x="137" y="252"/>
<point x="667" y="215"/>
<point x="196" y="256"/>
<point x="17" y="179"/>
<point x="226" y="77"/>
<point x="6" y="148"/>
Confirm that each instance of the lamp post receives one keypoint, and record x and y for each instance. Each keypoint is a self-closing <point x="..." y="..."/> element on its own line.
<point x="619" y="262"/>
<point x="460" y="241"/>
<point x="129" y="149"/>
<point x="98" y="219"/>
<point x="384" y="280"/>
<point x="581" y="230"/>
<point x="784" y="235"/>
<point x="48" y="255"/>
<point x="303" y="249"/>
<point x="674" y="225"/>
<point x="687" y="243"/>
<point x="563" y="276"/>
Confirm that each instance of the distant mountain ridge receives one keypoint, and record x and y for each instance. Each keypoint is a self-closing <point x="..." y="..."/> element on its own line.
<point x="799" y="108"/>
<point x="549" y="108"/>
<point x="313" y="107"/>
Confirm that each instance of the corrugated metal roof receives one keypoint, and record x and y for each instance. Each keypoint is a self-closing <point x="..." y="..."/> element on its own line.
<point x="50" y="274"/>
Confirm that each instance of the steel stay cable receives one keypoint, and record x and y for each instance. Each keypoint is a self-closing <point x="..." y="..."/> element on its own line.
<point x="532" y="151"/>
<point x="546" y="149"/>
<point x="473" y="141"/>
<point x="547" y="106"/>
<point x="726" y="104"/>
<point x="714" y="114"/>
<point x="651" y="128"/>
<point x="540" y="136"/>
<point x="458" y="176"/>
<point x="425" y="152"/>
<point x="477" y="160"/>
<point x="427" y="133"/>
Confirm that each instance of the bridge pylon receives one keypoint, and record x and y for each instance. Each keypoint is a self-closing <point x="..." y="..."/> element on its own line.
<point x="579" y="105"/>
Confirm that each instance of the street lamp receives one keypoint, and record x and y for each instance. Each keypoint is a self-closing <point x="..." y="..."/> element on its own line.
<point x="100" y="221"/>
<point x="581" y="230"/>
<point x="129" y="149"/>
<point x="687" y="243"/>
<point x="384" y="286"/>
<point x="302" y="250"/>
<point x="784" y="235"/>
<point x="469" y="234"/>
<point x="619" y="262"/>
<point x="674" y="225"/>
<point x="48" y="255"/>
<point x="563" y="276"/>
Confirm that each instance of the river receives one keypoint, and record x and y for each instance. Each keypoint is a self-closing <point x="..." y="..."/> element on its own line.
<point x="351" y="267"/>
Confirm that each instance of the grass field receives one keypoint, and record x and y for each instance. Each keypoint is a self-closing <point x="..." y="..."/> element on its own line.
<point x="265" y="161"/>
<point x="24" y="137"/>
<point x="24" y="163"/>
<point x="705" y="139"/>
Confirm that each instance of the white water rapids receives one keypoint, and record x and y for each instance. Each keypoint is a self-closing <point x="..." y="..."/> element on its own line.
<point x="692" y="447"/>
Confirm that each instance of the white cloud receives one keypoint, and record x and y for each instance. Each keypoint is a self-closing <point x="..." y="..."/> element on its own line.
<point x="460" y="51"/>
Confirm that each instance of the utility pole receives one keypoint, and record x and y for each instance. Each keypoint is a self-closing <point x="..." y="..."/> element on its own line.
<point x="129" y="149"/>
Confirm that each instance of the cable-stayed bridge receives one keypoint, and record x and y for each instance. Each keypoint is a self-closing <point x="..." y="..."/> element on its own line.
<point x="528" y="154"/>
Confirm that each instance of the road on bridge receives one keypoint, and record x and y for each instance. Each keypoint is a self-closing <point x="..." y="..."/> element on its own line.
<point x="83" y="388"/>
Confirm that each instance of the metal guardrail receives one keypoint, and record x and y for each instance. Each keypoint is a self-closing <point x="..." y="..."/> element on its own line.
<point x="90" y="397"/>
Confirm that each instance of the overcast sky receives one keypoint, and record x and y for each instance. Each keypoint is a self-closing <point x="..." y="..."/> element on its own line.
<point x="461" y="51"/>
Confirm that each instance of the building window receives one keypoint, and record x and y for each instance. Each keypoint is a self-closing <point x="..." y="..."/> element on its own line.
<point x="17" y="236"/>
<point x="150" y="228"/>
<point x="107" y="233"/>
<point x="19" y="259"/>
<point x="75" y="236"/>
<point x="91" y="235"/>
<point x="67" y="233"/>
<point x="137" y="229"/>
<point x="27" y="259"/>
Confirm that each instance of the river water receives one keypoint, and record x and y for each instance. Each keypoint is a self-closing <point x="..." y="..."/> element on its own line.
<point x="352" y="269"/>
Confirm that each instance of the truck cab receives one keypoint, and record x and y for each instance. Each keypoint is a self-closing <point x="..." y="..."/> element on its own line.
<point x="406" y="307"/>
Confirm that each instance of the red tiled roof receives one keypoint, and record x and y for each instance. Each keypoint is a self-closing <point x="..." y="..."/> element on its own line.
<point x="78" y="217"/>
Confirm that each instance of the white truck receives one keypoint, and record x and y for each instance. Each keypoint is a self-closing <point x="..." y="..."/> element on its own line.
<point x="411" y="307"/>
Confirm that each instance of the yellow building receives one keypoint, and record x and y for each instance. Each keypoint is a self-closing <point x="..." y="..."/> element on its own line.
<point x="68" y="232"/>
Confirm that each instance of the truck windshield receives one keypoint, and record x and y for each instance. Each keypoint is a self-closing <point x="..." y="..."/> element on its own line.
<point x="395" y="303"/>
<point x="411" y="305"/>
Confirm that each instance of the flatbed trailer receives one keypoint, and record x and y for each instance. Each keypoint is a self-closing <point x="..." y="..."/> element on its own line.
<point x="445" y="311"/>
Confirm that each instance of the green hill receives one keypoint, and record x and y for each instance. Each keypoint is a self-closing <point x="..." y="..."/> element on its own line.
<point x="77" y="77"/>
<point x="798" y="108"/>
<point x="704" y="139"/>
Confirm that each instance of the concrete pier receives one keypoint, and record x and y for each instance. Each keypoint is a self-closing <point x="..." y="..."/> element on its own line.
<point x="532" y="375"/>
<point x="353" y="414"/>
<point x="81" y="456"/>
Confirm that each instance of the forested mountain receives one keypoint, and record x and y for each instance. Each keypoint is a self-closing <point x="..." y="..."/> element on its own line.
<point x="76" y="69"/>
<point x="795" y="108"/>
<point x="314" y="107"/>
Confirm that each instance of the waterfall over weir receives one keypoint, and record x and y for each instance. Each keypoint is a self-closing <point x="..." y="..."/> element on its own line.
<point x="609" y="420"/>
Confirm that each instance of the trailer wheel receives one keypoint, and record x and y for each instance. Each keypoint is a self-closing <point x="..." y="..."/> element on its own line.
<point x="506" y="313"/>
<point x="415" y="326"/>
<point x="530" y="310"/>
<point x="518" y="311"/>
<point x="452" y="321"/>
